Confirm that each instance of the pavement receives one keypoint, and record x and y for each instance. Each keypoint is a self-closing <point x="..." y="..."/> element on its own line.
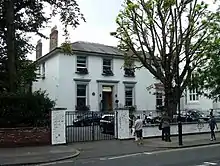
<point x="36" y="155"/>
<point x="97" y="150"/>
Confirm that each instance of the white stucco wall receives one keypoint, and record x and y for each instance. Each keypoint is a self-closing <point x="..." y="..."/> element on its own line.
<point x="50" y="83"/>
<point x="67" y="85"/>
<point x="202" y="104"/>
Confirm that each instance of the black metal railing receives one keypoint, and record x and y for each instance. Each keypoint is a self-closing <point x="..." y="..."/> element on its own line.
<point x="89" y="126"/>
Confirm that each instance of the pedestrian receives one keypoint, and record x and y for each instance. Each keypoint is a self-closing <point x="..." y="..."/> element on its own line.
<point x="211" y="112"/>
<point x="212" y="125"/>
<point x="138" y="126"/>
<point x="166" y="127"/>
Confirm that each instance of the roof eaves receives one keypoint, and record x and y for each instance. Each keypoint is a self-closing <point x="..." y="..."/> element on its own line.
<point x="48" y="55"/>
<point x="97" y="53"/>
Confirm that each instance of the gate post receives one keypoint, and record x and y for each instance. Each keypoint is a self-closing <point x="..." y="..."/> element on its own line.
<point x="58" y="126"/>
<point x="122" y="124"/>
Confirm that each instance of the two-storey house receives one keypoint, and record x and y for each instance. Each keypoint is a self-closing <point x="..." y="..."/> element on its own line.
<point x="94" y="78"/>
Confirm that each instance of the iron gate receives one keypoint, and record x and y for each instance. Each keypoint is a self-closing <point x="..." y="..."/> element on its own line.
<point x="89" y="126"/>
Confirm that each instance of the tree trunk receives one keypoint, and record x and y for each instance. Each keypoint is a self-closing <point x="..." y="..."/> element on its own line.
<point x="170" y="101"/>
<point x="10" y="40"/>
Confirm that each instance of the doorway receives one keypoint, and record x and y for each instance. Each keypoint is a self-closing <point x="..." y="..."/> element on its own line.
<point x="107" y="101"/>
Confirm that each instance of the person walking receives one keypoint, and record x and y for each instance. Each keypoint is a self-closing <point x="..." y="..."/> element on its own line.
<point x="138" y="126"/>
<point x="212" y="125"/>
<point x="166" y="127"/>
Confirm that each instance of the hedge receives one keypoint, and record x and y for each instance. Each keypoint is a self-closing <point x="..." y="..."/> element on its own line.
<point x="25" y="110"/>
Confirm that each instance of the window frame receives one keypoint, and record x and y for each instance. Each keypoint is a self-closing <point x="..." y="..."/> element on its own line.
<point x="159" y="96"/>
<point x="77" y="64"/>
<point x="82" y="82"/>
<point x="129" y="86"/>
<point x="109" y="66"/>
<point x="193" y="95"/>
<point x="43" y="74"/>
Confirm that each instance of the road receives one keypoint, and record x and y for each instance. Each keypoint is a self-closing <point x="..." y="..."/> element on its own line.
<point x="86" y="133"/>
<point x="197" y="156"/>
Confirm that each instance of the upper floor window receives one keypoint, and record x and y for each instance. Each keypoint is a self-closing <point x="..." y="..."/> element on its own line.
<point x="193" y="95"/>
<point x="129" y="72"/>
<point x="43" y="70"/>
<point x="107" y="67"/>
<point x="81" y="65"/>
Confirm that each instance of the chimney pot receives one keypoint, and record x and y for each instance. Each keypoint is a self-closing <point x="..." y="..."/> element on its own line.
<point x="53" y="38"/>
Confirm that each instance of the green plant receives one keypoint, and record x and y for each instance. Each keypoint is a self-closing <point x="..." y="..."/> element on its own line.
<point x="26" y="110"/>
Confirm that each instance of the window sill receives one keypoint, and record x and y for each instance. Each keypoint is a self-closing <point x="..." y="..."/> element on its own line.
<point x="193" y="102"/>
<point x="129" y="76"/>
<point x="81" y="73"/>
<point x="107" y="74"/>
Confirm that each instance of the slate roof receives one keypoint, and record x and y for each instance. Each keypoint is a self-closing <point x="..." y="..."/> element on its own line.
<point x="96" y="48"/>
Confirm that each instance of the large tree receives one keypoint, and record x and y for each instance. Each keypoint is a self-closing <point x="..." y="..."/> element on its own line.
<point x="164" y="34"/>
<point x="18" y="19"/>
<point x="207" y="79"/>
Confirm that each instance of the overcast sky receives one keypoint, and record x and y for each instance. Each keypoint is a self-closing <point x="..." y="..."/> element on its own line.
<point x="100" y="21"/>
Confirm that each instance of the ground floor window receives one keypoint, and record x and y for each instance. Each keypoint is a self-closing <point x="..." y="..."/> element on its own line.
<point x="129" y="96"/>
<point x="193" y="95"/>
<point x="81" y="95"/>
<point x="159" y="99"/>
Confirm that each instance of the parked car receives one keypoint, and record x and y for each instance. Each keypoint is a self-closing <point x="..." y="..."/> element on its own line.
<point x="87" y="120"/>
<point x="107" y="123"/>
<point x="194" y="115"/>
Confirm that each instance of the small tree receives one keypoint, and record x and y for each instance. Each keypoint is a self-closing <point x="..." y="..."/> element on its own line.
<point x="164" y="34"/>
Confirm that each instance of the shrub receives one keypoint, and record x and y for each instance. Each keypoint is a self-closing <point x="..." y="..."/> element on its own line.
<point x="25" y="110"/>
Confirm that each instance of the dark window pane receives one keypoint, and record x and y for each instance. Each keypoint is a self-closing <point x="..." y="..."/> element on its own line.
<point x="194" y="97"/>
<point x="81" y="90"/>
<point x="128" y="92"/>
<point x="128" y="102"/>
<point x="190" y="97"/>
<point x="106" y="62"/>
<point x="81" y="101"/>
<point x="81" y="62"/>
<point x="159" y="102"/>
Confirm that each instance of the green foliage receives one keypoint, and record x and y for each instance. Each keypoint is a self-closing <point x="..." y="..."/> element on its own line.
<point x="165" y="33"/>
<point x="66" y="48"/>
<point x="207" y="81"/>
<point x="29" y="19"/>
<point x="26" y="110"/>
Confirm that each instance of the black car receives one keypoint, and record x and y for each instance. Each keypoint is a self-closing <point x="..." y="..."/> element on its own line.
<point x="107" y="123"/>
<point x="87" y="120"/>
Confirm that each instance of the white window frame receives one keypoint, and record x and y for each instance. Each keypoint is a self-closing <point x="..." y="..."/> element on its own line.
<point x="87" y="90"/>
<point x="43" y="69"/>
<point x="193" y="95"/>
<point x="131" y="86"/>
<point x="79" y="67"/>
<point x="159" y="96"/>
<point x="111" y="65"/>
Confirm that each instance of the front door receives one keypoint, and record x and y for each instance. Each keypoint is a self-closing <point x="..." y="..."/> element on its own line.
<point x="107" y="98"/>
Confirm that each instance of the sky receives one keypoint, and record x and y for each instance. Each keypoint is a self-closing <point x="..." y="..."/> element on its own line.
<point x="100" y="18"/>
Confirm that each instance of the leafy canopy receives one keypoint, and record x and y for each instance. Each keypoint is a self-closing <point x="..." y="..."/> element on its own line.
<point x="165" y="33"/>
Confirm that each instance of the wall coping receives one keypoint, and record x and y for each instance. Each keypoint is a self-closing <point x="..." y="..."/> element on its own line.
<point x="24" y="128"/>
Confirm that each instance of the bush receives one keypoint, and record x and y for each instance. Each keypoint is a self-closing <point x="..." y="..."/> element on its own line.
<point x="25" y="110"/>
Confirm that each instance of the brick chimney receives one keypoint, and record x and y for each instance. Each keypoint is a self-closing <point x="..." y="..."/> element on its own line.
<point x="38" y="49"/>
<point x="53" y="38"/>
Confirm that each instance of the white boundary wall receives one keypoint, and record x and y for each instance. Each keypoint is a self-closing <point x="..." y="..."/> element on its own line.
<point x="58" y="126"/>
<point x="124" y="132"/>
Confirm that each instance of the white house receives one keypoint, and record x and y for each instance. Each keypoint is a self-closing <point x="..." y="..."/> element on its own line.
<point x="94" y="77"/>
